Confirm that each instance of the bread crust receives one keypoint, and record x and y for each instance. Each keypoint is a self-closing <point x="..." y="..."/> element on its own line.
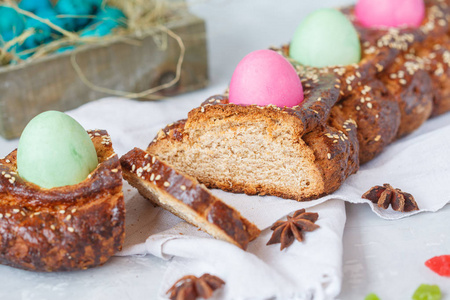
<point x="65" y="228"/>
<point x="185" y="197"/>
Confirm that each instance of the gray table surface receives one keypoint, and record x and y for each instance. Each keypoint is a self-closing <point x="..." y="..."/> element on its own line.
<point x="385" y="257"/>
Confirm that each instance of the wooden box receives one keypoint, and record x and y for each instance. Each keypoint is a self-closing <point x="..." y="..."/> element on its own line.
<point x="133" y="65"/>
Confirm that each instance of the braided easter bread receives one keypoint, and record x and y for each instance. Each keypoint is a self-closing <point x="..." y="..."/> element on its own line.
<point x="64" y="228"/>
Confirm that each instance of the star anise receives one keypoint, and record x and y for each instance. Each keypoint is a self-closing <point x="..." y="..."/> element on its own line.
<point x="285" y="232"/>
<point x="386" y="194"/>
<point x="191" y="287"/>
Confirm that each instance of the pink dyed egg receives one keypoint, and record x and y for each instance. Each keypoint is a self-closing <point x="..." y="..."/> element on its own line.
<point x="265" y="77"/>
<point x="390" y="13"/>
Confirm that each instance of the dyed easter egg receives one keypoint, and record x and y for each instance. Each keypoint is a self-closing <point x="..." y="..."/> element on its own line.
<point x="54" y="150"/>
<point x="265" y="77"/>
<point x="34" y="5"/>
<point x="111" y="16"/>
<point x="107" y="19"/>
<point x="65" y="49"/>
<point x="325" y="38"/>
<point x="42" y="31"/>
<point x="75" y="7"/>
<point x="390" y="13"/>
<point x="12" y="23"/>
<point x="97" y="30"/>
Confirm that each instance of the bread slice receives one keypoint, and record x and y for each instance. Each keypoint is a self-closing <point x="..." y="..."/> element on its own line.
<point x="298" y="153"/>
<point x="183" y="196"/>
<point x="64" y="228"/>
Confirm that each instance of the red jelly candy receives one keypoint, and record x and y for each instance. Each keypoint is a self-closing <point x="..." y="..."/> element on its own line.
<point x="440" y="265"/>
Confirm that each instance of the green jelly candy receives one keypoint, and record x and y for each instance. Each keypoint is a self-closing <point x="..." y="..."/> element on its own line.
<point x="325" y="38"/>
<point x="427" y="292"/>
<point x="55" y="150"/>
<point x="371" y="296"/>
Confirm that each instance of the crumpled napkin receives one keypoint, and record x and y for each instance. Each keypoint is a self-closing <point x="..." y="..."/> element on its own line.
<point x="417" y="164"/>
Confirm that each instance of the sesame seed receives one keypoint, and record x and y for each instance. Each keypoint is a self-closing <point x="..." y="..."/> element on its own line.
<point x="336" y="86"/>
<point x="153" y="159"/>
<point x="183" y="187"/>
<point x="369" y="105"/>
<point x="377" y="138"/>
<point x="62" y="211"/>
<point x="1" y="216"/>
<point x="319" y="99"/>
<point x="329" y="155"/>
<point x="358" y="108"/>
<point x="133" y="167"/>
<point x="146" y="155"/>
<point x="7" y="161"/>
<point x="23" y="213"/>
<point x="402" y="81"/>
<point x="52" y="227"/>
<point x="73" y="210"/>
<point x="158" y="177"/>
<point x="15" y="210"/>
<point x="7" y="215"/>
<point x="166" y="184"/>
<point x="379" y="67"/>
<point x="152" y="177"/>
<point x="203" y="109"/>
<point x="70" y="229"/>
<point x="37" y="213"/>
<point x="114" y="170"/>
<point x="12" y="180"/>
<point x="335" y="141"/>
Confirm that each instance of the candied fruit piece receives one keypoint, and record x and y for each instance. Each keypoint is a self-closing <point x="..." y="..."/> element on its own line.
<point x="427" y="292"/>
<point x="372" y="296"/>
<point x="440" y="265"/>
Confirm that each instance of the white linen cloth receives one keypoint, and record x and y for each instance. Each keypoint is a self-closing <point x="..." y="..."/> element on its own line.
<point x="417" y="164"/>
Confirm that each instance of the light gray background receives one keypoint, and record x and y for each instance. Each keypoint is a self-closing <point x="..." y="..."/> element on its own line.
<point x="234" y="29"/>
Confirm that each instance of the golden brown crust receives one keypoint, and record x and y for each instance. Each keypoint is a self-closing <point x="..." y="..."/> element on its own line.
<point x="436" y="58"/>
<point x="411" y="87"/>
<point x="377" y="116"/>
<point x="156" y="179"/>
<point x="336" y="150"/>
<point x="65" y="228"/>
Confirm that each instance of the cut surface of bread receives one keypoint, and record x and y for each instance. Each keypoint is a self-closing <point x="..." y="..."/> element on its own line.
<point x="259" y="150"/>
<point x="185" y="197"/>
<point x="65" y="228"/>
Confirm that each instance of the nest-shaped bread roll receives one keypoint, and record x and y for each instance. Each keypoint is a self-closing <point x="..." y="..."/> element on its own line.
<point x="64" y="228"/>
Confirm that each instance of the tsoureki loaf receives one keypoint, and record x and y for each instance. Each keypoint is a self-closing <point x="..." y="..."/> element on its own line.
<point x="65" y="228"/>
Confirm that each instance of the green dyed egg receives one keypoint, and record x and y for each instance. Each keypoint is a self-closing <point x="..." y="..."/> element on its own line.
<point x="325" y="38"/>
<point x="55" y="150"/>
